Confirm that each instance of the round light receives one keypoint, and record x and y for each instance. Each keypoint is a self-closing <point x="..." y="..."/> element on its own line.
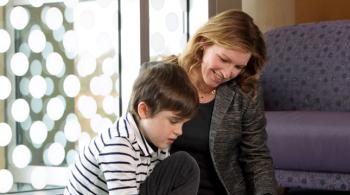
<point x="71" y="156"/>
<point x="38" y="178"/>
<point x="58" y="33"/>
<point x="19" y="64"/>
<point x="109" y="105"/>
<point x="21" y="156"/>
<point x="55" y="108"/>
<point x="106" y="85"/>
<point x="4" y="40"/>
<point x="36" y="104"/>
<point x="36" y="41"/>
<point x="71" y="85"/>
<point x="19" y="17"/>
<point x="53" y="18"/>
<point x="50" y="86"/>
<point x="109" y="66"/>
<point x="87" y="106"/>
<point x="37" y="86"/>
<point x="56" y="154"/>
<point x="95" y="86"/>
<point x="3" y="2"/>
<point x="48" y="122"/>
<point x="54" y="63"/>
<point x="71" y="3"/>
<point x="20" y="110"/>
<point x="46" y="157"/>
<point x="69" y="14"/>
<point x="23" y="86"/>
<point x="38" y="132"/>
<point x="60" y="138"/>
<point x="103" y="43"/>
<point x="6" y="134"/>
<point x="26" y="124"/>
<point x="6" y="180"/>
<point x="101" y="85"/>
<point x="86" y="65"/>
<point x="70" y="42"/>
<point x="72" y="130"/>
<point x="5" y="87"/>
<point x="35" y="67"/>
<point x="87" y="19"/>
<point x="47" y="50"/>
<point x="36" y="3"/>
<point x="157" y="4"/>
<point x="24" y="48"/>
<point x="172" y="21"/>
<point x="157" y="42"/>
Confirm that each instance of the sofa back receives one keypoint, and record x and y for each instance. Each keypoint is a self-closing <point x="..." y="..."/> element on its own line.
<point x="308" y="67"/>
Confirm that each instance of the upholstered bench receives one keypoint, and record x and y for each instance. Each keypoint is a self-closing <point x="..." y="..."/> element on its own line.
<point x="306" y="86"/>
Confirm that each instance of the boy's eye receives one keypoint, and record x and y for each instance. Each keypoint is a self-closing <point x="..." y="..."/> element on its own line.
<point x="174" y="120"/>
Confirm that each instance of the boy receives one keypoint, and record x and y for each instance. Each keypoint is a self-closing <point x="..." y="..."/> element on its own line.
<point x="123" y="159"/>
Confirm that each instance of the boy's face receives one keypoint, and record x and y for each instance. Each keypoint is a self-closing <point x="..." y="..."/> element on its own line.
<point x="162" y="129"/>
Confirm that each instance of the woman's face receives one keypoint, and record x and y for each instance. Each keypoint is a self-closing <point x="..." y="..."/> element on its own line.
<point x="220" y="64"/>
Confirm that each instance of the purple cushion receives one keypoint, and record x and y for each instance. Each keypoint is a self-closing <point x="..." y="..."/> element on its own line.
<point x="308" y="67"/>
<point x="309" y="140"/>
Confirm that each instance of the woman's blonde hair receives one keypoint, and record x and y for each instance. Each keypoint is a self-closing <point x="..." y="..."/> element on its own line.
<point x="231" y="29"/>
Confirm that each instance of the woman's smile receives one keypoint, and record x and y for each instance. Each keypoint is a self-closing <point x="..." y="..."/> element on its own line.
<point x="218" y="77"/>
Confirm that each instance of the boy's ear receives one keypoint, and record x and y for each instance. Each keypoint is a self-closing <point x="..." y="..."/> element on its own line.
<point x="142" y="110"/>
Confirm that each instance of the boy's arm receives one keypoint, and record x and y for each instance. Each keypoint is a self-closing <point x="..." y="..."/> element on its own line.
<point x="118" y="163"/>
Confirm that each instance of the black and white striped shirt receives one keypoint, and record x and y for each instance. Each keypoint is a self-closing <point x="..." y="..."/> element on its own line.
<point x="116" y="161"/>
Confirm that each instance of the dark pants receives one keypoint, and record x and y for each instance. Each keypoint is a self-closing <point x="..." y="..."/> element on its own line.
<point x="177" y="174"/>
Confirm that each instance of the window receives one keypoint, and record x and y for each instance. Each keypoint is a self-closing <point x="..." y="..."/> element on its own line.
<point x="66" y="72"/>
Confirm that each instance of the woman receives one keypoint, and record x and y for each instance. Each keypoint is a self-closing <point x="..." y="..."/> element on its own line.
<point x="227" y="137"/>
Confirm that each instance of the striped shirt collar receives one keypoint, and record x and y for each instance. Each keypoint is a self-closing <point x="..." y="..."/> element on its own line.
<point x="141" y="140"/>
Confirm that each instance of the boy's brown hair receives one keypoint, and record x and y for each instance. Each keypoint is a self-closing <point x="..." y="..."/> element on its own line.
<point x="164" y="87"/>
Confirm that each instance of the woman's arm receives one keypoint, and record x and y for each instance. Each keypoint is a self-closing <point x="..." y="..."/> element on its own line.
<point x="255" y="156"/>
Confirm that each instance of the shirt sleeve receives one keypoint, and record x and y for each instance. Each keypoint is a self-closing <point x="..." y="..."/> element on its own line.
<point x="118" y="162"/>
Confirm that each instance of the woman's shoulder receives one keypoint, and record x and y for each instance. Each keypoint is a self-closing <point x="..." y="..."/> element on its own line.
<point x="240" y="94"/>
